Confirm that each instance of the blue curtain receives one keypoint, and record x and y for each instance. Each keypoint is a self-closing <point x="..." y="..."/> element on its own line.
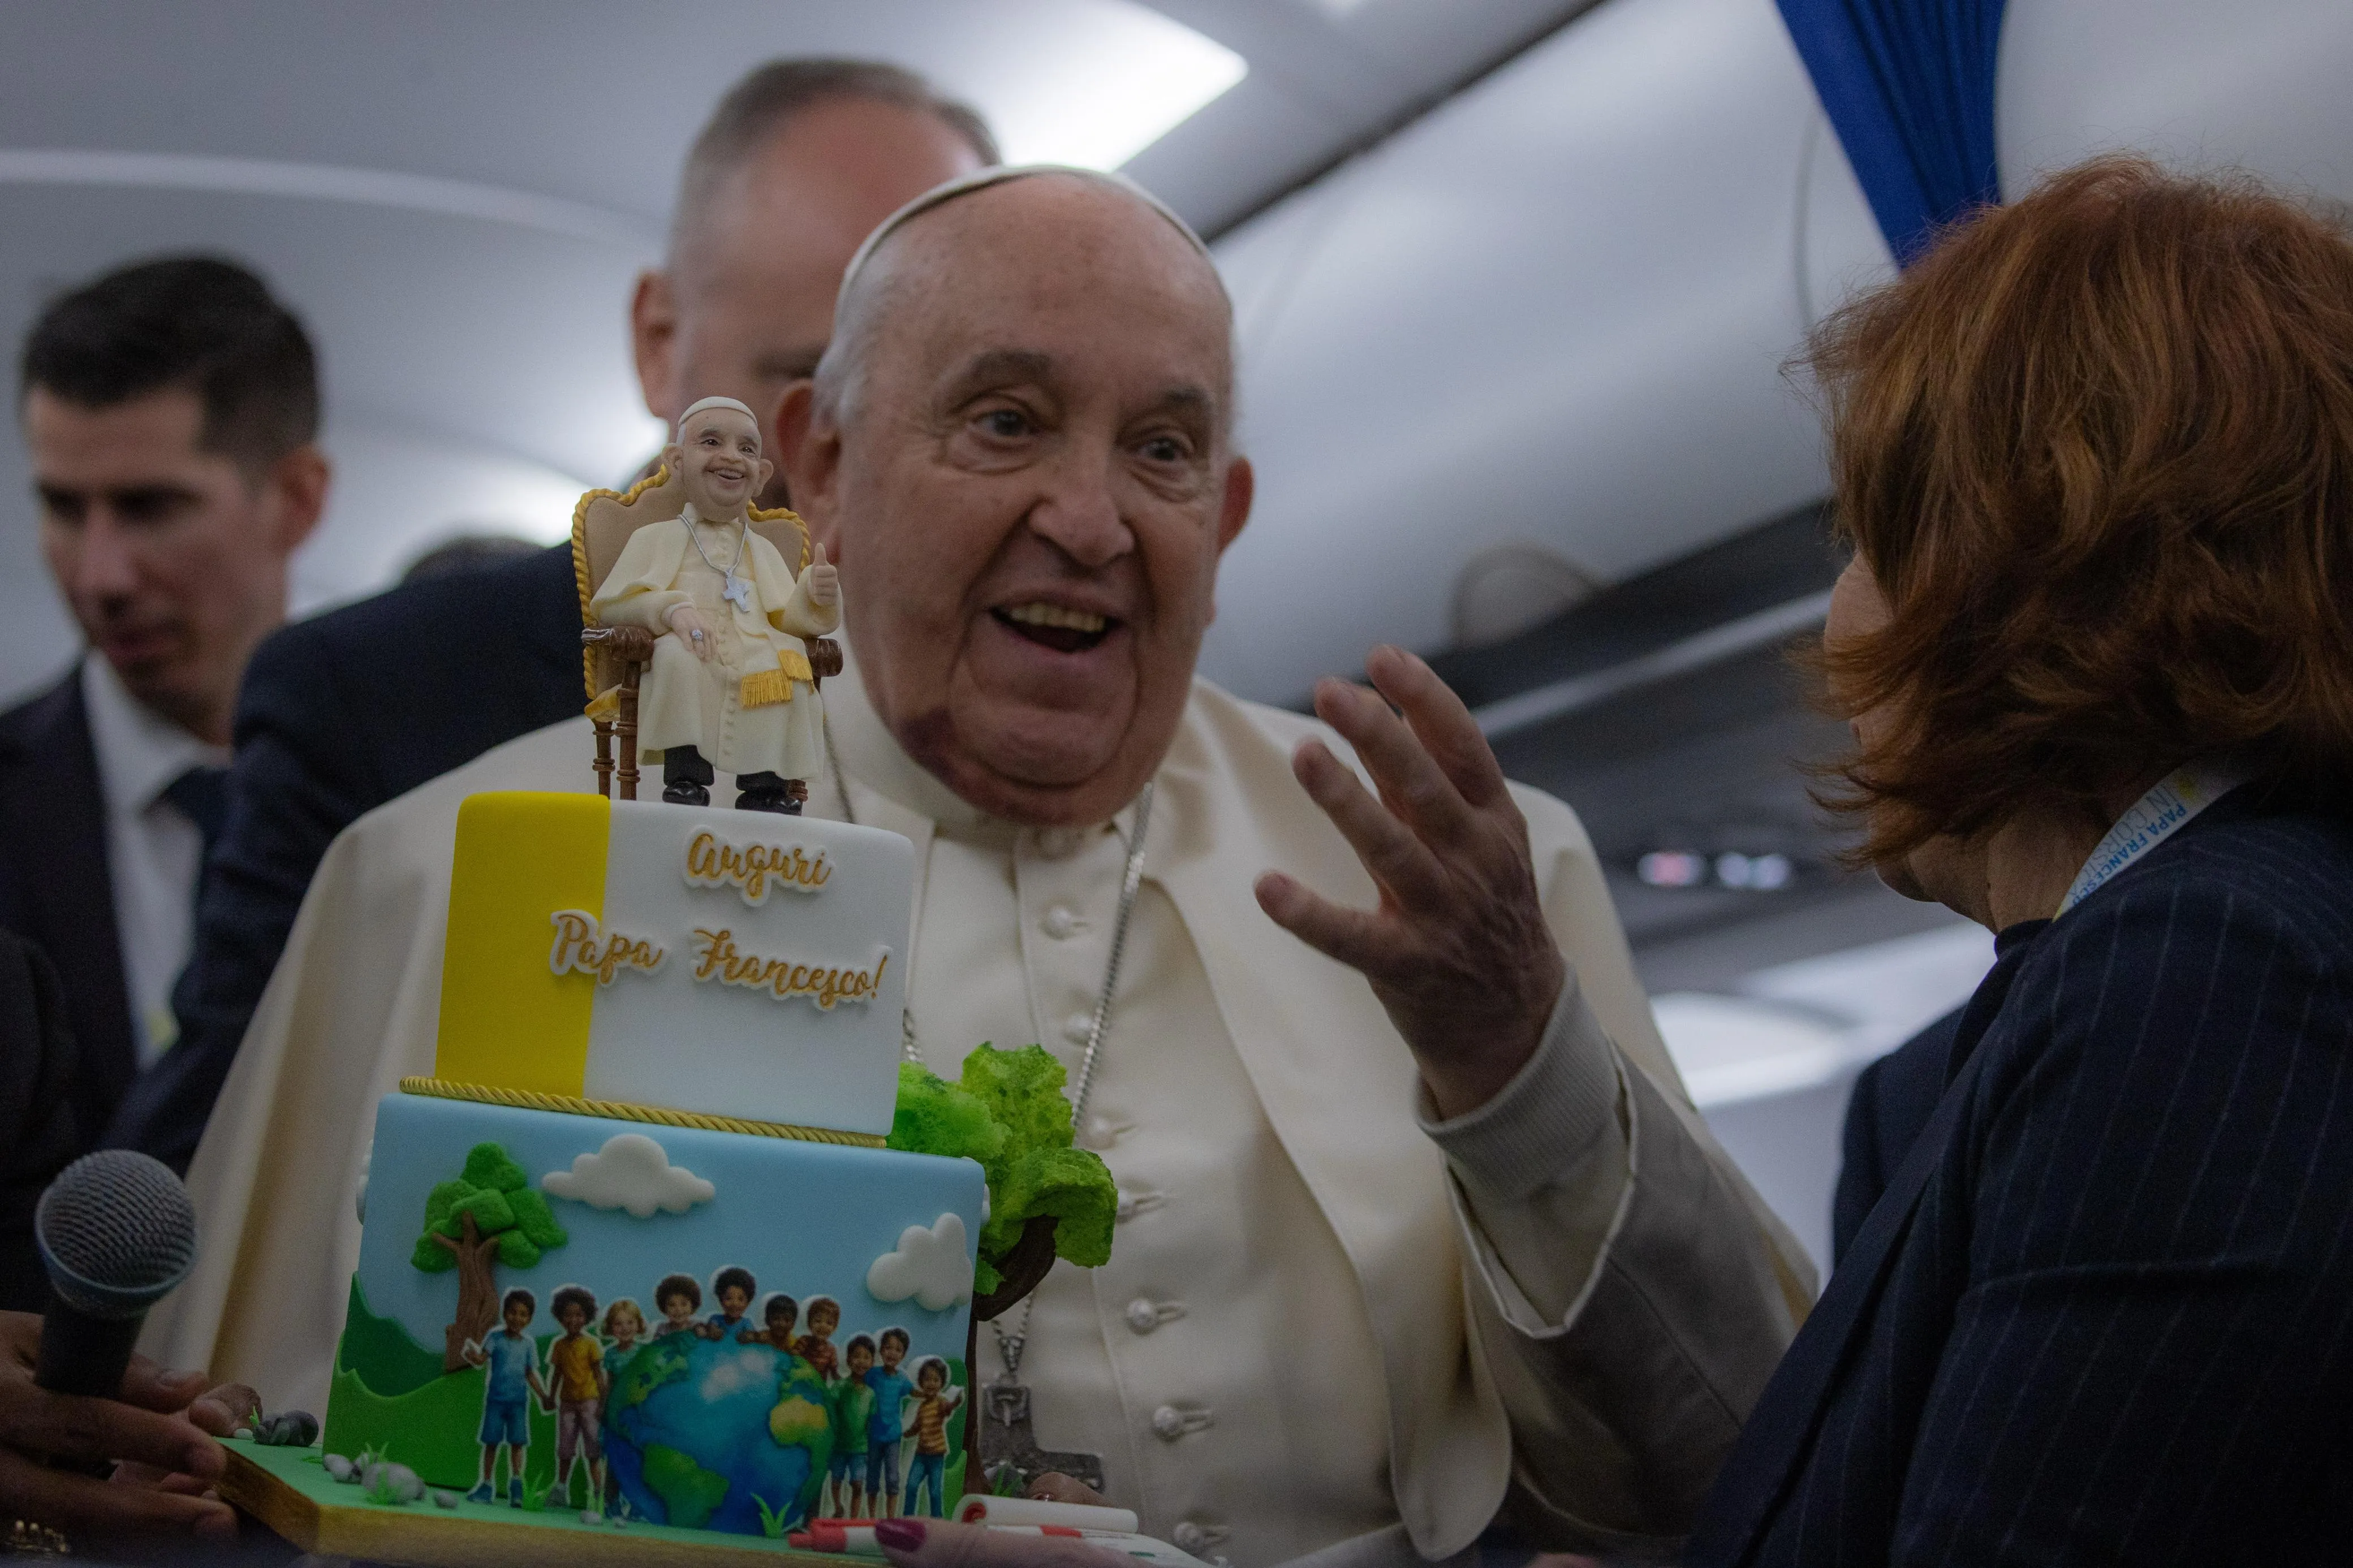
<point x="1909" y="86"/>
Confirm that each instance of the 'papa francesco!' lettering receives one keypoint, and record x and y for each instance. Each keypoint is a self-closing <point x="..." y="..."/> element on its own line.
<point x="782" y="978"/>
<point x="581" y="946"/>
<point x="750" y="868"/>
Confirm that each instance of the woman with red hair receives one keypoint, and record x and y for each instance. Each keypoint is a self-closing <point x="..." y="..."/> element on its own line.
<point x="2094" y="455"/>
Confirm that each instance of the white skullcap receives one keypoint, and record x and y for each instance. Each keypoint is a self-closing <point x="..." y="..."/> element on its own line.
<point x="965" y="184"/>
<point x="701" y="403"/>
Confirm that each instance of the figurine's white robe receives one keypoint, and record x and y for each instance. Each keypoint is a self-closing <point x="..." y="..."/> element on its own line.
<point x="686" y="702"/>
<point x="1363" y="1331"/>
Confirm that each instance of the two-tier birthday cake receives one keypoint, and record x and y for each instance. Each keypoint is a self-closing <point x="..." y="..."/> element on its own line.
<point x="636" y="1249"/>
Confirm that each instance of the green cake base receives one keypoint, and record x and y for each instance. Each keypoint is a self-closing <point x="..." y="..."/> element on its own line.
<point x="290" y="1490"/>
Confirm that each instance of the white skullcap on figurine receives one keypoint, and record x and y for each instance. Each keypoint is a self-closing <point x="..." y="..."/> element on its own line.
<point x="965" y="184"/>
<point x="699" y="405"/>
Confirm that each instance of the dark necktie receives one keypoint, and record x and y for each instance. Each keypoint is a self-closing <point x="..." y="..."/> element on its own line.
<point x="202" y="796"/>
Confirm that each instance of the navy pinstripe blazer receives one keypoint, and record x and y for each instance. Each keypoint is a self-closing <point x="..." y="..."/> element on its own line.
<point x="2102" y="1314"/>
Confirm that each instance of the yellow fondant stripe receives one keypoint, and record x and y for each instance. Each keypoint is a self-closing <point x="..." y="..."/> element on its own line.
<point x="570" y="1105"/>
<point x="507" y="1017"/>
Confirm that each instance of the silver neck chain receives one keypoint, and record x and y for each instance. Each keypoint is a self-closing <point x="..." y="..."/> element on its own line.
<point x="727" y="575"/>
<point x="1009" y="1346"/>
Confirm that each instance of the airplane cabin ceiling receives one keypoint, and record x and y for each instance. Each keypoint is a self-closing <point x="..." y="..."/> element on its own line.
<point x="456" y="195"/>
<point x="1554" y="310"/>
<point x="1517" y="278"/>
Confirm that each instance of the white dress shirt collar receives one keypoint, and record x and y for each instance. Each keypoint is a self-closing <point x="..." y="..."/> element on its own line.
<point x="154" y="854"/>
<point x="140" y="751"/>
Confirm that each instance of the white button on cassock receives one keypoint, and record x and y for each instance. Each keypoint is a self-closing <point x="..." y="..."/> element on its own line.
<point x="1189" y="1536"/>
<point x="1062" y="921"/>
<point x="1168" y="1423"/>
<point x="1058" y="843"/>
<point x="1078" y="1027"/>
<point x="1145" y="1316"/>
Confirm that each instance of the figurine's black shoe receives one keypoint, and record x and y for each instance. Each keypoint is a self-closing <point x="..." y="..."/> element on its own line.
<point x="686" y="777"/>
<point x="767" y="792"/>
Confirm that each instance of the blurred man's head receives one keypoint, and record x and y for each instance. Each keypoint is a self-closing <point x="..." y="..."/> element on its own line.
<point x="171" y="410"/>
<point x="800" y="162"/>
<point x="1019" y="449"/>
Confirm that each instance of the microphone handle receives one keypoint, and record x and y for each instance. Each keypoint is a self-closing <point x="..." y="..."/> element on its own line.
<point x="86" y="1355"/>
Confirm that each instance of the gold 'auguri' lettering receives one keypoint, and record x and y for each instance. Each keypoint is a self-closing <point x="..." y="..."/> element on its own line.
<point x="750" y="868"/>
<point x="717" y="959"/>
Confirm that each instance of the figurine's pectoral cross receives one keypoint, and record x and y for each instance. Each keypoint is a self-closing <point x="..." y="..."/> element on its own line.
<point x="737" y="590"/>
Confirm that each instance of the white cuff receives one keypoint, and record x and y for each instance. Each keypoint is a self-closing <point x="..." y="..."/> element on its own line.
<point x="1541" y="1123"/>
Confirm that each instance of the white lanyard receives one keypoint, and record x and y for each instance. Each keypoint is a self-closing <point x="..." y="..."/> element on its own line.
<point x="2156" y="817"/>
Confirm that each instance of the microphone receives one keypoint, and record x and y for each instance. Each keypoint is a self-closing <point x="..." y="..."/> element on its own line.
<point x="116" y="1232"/>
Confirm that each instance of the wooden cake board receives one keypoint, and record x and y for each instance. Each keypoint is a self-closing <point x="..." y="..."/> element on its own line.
<point x="289" y="1490"/>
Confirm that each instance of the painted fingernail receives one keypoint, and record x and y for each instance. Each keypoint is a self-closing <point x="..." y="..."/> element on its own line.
<point x="898" y="1534"/>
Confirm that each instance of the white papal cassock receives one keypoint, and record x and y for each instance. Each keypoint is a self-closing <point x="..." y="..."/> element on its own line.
<point x="1327" y="1322"/>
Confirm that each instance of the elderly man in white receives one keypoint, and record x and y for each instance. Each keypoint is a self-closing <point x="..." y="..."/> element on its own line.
<point x="1418" y="1231"/>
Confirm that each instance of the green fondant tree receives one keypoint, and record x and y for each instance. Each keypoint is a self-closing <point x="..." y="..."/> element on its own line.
<point x="489" y="1212"/>
<point x="1010" y="1114"/>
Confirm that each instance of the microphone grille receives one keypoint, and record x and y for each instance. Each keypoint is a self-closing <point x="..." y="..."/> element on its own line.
<point x="116" y="1232"/>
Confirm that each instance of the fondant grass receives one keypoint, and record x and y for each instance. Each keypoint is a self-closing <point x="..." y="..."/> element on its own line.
<point x="431" y="1429"/>
<point x="300" y="1469"/>
<point x="380" y="1350"/>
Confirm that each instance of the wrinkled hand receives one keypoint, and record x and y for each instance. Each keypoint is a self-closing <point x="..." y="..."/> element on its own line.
<point x="1053" y="1486"/>
<point x="687" y="622"/>
<point x="824" y="579"/>
<point x="1458" y="951"/>
<point x="943" y="1544"/>
<point x="152" y="1429"/>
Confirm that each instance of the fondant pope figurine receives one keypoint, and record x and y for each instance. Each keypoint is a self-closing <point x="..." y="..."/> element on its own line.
<point x="731" y="684"/>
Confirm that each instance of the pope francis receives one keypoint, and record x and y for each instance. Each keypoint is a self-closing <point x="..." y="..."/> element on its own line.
<point x="731" y="684"/>
<point x="1419" y="1232"/>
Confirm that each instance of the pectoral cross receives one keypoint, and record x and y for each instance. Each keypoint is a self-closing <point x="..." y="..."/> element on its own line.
<point x="737" y="590"/>
<point x="1006" y="1439"/>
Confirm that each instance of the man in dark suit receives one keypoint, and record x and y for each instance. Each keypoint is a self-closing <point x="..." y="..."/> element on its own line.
<point x="170" y="410"/>
<point x="344" y="712"/>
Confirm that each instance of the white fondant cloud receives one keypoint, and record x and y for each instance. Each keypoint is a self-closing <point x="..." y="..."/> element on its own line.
<point x="930" y="1266"/>
<point x="630" y="1172"/>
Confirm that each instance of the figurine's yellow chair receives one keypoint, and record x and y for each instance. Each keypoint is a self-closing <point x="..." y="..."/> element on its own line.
<point x="614" y="659"/>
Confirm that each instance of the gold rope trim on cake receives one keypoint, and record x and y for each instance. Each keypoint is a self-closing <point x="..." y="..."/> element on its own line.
<point x="533" y="1100"/>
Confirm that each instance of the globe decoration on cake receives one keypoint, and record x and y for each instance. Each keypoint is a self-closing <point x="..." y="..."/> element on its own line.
<point x="718" y="1436"/>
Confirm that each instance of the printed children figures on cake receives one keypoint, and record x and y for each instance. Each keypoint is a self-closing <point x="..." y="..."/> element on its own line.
<point x="731" y="684"/>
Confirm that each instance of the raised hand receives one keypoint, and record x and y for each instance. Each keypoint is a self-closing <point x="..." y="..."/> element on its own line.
<point x="1458" y="951"/>
<point x="687" y="622"/>
<point x="824" y="579"/>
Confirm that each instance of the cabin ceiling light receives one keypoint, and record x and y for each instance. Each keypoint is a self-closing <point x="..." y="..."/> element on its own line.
<point x="1769" y="872"/>
<point x="1097" y="95"/>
